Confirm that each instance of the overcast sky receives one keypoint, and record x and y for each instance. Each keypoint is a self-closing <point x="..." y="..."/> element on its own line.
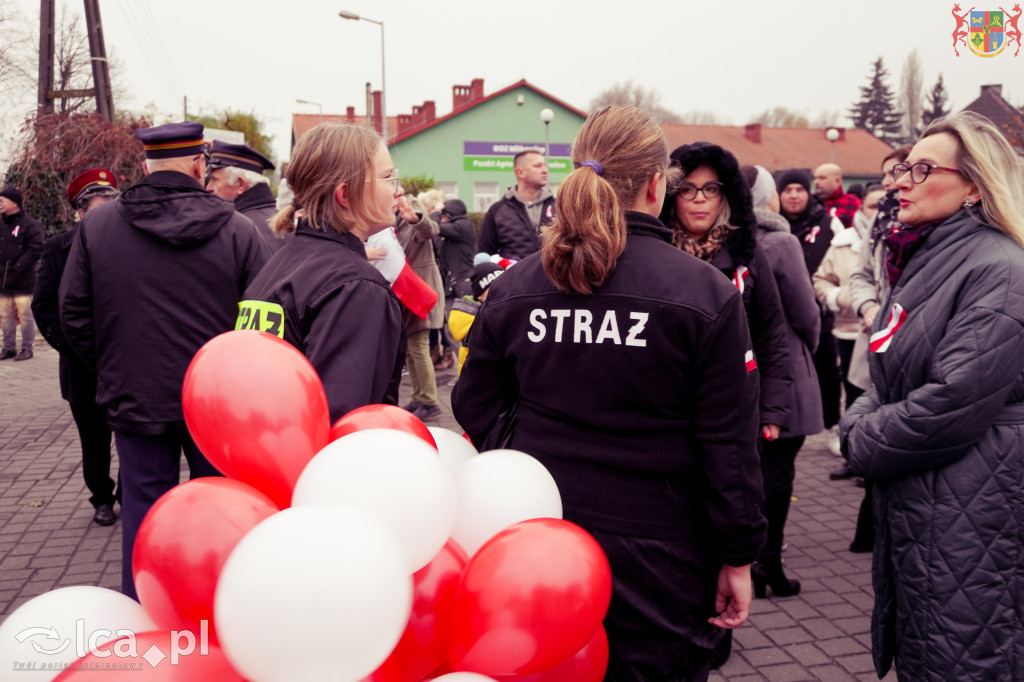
<point x="736" y="59"/>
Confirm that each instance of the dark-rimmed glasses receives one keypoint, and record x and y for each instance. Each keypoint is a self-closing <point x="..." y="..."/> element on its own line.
<point x="688" y="191"/>
<point x="919" y="171"/>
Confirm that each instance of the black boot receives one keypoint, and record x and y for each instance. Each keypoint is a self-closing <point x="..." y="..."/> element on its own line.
<point x="768" y="573"/>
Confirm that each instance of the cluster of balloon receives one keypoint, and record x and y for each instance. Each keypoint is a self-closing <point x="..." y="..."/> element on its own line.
<point x="376" y="550"/>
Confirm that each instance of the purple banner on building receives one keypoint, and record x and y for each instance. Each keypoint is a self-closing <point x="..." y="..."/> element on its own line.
<point x="512" y="148"/>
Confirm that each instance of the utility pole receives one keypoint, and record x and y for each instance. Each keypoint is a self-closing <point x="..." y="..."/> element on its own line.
<point x="46" y="31"/>
<point x="98" y="56"/>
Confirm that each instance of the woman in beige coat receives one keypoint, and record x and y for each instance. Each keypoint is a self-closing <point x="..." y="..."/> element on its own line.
<point x="831" y="285"/>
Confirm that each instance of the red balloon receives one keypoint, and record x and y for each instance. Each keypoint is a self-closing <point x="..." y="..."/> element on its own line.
<point x="530" y="598"/>
<point x="173" y="660"/>
<point x="182" y="545"/>
<point x="424" y="644"/>
<point x="588" y="665"/>
<point x="256" y="409"/>
<point x="381" y="417"/>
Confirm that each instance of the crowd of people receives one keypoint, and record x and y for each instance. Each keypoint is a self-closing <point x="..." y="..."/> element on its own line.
<point x="662" y="333"/>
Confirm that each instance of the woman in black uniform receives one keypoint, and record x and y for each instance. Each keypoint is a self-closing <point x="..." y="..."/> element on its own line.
<point x="630" y="366"/>
<point x="319" y="292"/>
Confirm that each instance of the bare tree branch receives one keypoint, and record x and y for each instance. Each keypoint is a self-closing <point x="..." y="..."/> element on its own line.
<point x="636" y="95"/>
<point x="911" y="98"/>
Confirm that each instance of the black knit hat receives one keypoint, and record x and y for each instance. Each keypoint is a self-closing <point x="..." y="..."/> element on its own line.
<point x="13" y="194"/>
<point x="794" y="176"/>
<point x="482" y="276"/>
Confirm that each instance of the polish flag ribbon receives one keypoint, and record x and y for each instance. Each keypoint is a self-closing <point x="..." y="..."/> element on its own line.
<point x="880" y="340"/>
<point x="750" y="361"/>
<point x="740" y="275"/>
<point x="813" y="234"/>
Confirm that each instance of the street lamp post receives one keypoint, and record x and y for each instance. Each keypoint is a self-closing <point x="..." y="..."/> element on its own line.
<point x="547" y="116"/>
<point x="352" y="16"/>
<point x="315" y="104"/>
<point x="832" y="135"/>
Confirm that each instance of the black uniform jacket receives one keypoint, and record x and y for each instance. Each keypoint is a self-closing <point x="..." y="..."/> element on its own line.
<point x="259" y="205"/>
<point x="151" y="277"/>
<point x="761" y="301"/>
<point x="77" y="380"/>
<point x="507" y="229"/>
<point x="340" y="312"/>
<point x="638" y="398"/>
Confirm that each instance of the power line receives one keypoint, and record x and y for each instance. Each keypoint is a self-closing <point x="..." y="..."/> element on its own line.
<point x="144" y="43"/>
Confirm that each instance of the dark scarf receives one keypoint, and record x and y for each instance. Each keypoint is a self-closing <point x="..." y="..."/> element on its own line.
<point x="12" y="219"/>
<point x="903" y="244"/>
<point x="706" y="249"/>
<point x="887" y="219"/>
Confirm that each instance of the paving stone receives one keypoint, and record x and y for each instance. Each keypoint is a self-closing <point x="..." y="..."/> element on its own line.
<point x="782" y="636"/>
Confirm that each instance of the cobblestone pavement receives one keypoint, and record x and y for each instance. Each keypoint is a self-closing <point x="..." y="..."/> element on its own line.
<point x="48" y="540"/>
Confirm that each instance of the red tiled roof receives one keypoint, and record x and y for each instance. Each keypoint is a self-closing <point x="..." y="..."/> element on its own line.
<point x="301" y="123"/>
<point x="1007" y="118"/>
<point x="416" y="130"/>
<point x="858" y="152"/>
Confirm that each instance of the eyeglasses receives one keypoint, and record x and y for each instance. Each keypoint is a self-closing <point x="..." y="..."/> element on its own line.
<point x="918" y="171"/>
<point x="688" y="191"/>
<point x="393" y="177"/>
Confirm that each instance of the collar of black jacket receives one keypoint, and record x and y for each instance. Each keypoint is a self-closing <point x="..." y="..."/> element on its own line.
<point x="347" y="238"/>
<point x="647" y="225"/>
<point x="257" y="196"/>
<point x="166" y="178"/>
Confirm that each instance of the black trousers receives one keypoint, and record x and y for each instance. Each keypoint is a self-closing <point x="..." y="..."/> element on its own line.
<point x="845" y="347"/>
<point x="150" y="467"/>
<point x="662" y="595"/>
<point x="94" y="434"/>
<point x="826" y="364"/>
<point x="778" y="467"/>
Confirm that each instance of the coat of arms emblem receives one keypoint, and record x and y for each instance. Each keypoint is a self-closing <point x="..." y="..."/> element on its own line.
<point x="986" y="32"/>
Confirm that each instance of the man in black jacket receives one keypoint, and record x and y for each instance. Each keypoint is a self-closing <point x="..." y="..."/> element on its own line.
<point x="77" y="381"/>
<point x="235" y="173"/>
<point x="21" y="243"/>
<point x="512" y="224"/>
<point x="151" y="277"/>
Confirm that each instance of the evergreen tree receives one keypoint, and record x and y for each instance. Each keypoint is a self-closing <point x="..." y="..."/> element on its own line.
<point x="937" y="103"/>
<point x="876" y="111"/>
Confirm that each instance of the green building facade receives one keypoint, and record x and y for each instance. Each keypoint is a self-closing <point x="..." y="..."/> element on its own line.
<point x="469" y="152"/>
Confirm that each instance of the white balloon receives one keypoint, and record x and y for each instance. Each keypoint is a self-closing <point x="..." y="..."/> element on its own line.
<point x="392" y="474"/>
<point x="498" y="488"/>
<point x="453" y="448"/>
<point x="313" y="593"/>
<point x="69" y="621"/>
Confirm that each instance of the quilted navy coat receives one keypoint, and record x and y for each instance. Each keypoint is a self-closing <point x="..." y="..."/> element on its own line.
<point x="942" y="432"/>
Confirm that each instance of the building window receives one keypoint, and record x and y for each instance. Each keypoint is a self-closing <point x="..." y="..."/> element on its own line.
<point x="484" y="194"/>
<point x="450" y="189"/>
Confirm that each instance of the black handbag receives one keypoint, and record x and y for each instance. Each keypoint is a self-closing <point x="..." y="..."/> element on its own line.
<point x="500" y="435"/>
